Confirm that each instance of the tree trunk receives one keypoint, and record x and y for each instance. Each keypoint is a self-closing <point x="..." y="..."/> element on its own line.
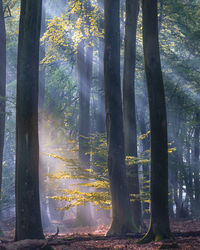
<point x="100" y="118"/>
<point x="41" y="99"/>
<point x="84" y="108"/>
<point x="28" y="217"/>
<point x="189" y="178"/>
<point x="145" y="167"/>
<point x="130" y="131"/>
<point x="196" y="164"/>
<point x="122" y="222"/>
<point x="159" y="225"/>
<point x="2" y="91"/>
<point x="2" y="87"/>
<point x="84" y="64"/>
<point x="175" y="187"/>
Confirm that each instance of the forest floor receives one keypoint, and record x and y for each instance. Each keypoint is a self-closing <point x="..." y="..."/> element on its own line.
<point x="186" y="236"/>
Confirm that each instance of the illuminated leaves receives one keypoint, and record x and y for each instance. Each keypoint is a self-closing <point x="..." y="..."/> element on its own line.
<point x="92" y="185"/>
<point x="79" y="22"/>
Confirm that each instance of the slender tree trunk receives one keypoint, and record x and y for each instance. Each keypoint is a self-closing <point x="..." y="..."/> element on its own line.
<point x="84" y="108"/>
<point x="175" y="186"/>
<point x="84" y="64"/>
<point x="189" y="179"/>
<point x="145" y="167"/>
<point x="130" y="131"/>
<point x="171" y="209"/>
<point x="28" y="217"/>
<point x="100" y="117"/>
<point x="122" y="21"/>
<point x="100" y="120"/>
<point x="2" y="92"/>
<point x="159" y="225"/>
<point x="196" y="164"/>
<point x="122" y="222"/>
<point x="2" y="87"/>
<point x="41" y="99"/>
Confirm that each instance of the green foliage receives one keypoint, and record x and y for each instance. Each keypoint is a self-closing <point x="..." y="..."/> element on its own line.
<point x="92" y="185"/>
<point x="78" y="23"/>
<point x="61" y="98"/>
<point x="94" y="181"/>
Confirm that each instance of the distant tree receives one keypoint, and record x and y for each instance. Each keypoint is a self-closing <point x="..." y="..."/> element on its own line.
<point x="28" y="217"/>
<point x="196" y="163"/>
<point x="159" y="225"/>
<point x="130" y="132"/>
<point x="100" y="116"/>
<point x="84" y="66"/>
<point x="41" y="102"/>
<point x="2" y="87"/>
<point x="122" y="222"/>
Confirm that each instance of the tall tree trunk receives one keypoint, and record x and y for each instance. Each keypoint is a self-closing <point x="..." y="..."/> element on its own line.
<point x="2" y="91"/>
<point x="84" y="64"/>
<point x="41" y="98"/>
<point x="176" y="191"/>
<point x="196" y="163"/>
<point x="130" y="131"/>
<point x="159" y="225"/>
<point x="28" y="217"/>
<point x="145" y="167"/>
<point x="122" y="222"/>
<point x="188" y="177"/>
<point x="122" y="21"/>
<point x="2" y="87"/>
<point x="84" y="108"/>
<point x="100" y="118"/>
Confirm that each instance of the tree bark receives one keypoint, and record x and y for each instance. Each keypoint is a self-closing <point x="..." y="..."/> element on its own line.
<point x="196" y="163"/>
<point x="130" y="131"/>
<point x="2" y="87"/>
<point x="159" y="225"/>
<point x="122" y="222"/>
<point x="28" y="217"/>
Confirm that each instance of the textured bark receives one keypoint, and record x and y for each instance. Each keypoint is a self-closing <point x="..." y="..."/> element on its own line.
<point x="122" y="222"/>
<point x="130" y="132"/>
<point x="159" y="225"/>
<point x="2" y="87"/>
<point x="196" y="163"/>
<point x="28" y="217"/>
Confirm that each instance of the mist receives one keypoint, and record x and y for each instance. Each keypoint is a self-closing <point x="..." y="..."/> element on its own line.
<point x="73" y="176"/>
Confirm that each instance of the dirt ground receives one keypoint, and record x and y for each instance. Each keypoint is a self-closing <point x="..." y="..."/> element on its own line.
<point x="186" y="236"/>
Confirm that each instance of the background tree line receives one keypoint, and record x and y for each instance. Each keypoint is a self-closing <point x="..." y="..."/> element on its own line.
<point x="74" y="80"/>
